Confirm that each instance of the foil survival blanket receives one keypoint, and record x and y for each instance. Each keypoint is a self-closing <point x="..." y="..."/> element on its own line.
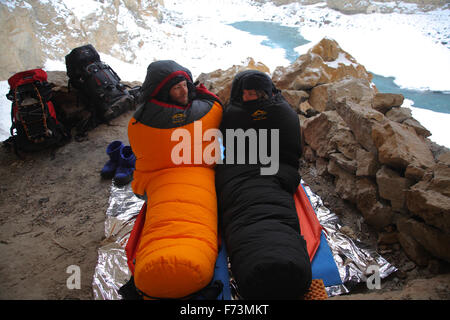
<point x="352" y="257"/>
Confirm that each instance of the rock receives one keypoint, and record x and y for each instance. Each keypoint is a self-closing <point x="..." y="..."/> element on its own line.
<point x="383" y="102"/>
<point x="219" y="81"/>
<point x="315" y="131"/>
<point x="399" y="146"/>
<point x="17" y="33"/>
<point x="366" y="194"/>
<point x="345" y="182"/>
<point x="420" y="130"/>
<point x="441" y="179"/>
<point x="404" y="115"/>
<point x="387" y="238"/>
<point x="325" y="97"/>
<point x="430" y="205"/>
<point x="312" y="69"/>
<point x="328" y="49"/>
<point x="414" y="172"/>
<point x="435" y="288"/>
<point x="348" y="231"/>
<point x="374" y="212"/>
<point x="399" y="114"/>
<point x="319" y="97"/>
<point x="444" y="158"/>
<point x="367" y="164"/>
<point x="295" y="98"/>
<point x="431" y="239"/>
<point x="360" y="120"/>
<point x="321" y="166"/>
<point x="349" y="6"/>
<point x="305" y="73"/>
<point x="343" y="162"/>
<point x="408" y="266"/>
<point x="308" y="154"/>
<point x="392" y="187"/>
<point x="306" y="109"/>
<point x="352" y="89"/>
<point x="327" y="133"/>
<point x="379" y="215"/>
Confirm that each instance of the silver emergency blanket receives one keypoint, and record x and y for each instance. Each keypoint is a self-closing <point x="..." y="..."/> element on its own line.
<point x="352" y="257"/>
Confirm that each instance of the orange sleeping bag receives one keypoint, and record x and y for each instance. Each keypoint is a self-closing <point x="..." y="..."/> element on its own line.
<point x="178" y="245"/>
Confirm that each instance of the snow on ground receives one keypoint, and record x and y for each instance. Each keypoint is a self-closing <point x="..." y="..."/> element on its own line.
<point x="401" y="45"/>
<point x="435" y="122"/>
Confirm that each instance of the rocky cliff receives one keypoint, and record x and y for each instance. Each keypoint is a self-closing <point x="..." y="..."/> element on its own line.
<point x="50" y="30"/>
<point x="370" y="6"/>
<point x="378" y="156"/>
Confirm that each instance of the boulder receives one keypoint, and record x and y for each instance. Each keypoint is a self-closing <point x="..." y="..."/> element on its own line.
<point x="306" y="72"/>
<point x="379" y="215"/>
<point x="366" y="194"/>
<point x="414" y="250"/>
<point x="325" y="97"/>
<point x="360" y="120"/>
<point x="326" y="133"/>
<point x="420" y="129"/>
<point x="316" y="67"/>
<point x="318" y="98"/>
<point x="356" y="90"/>
<point x="433" y="240"/>
<point x="431" y="205"/>
<point x="343" y="162"/>
<point x="306" y="109"/>
<point x="414" y="172"/>
<point x="345" y="182"/>
<point x="315" y="132"/>
<point x="383" y="102"/>
<point x="367" y="164"/>
<point x="308" y="154"/>
<point x="404" y="115"/>
<point x="441" y="179"/>
<point x="392" y="187"/>
<point x="444" y="158"/>
<point x="321" y="166"/>
<point x="398" y="114"/>
<point x="399" y="146"/>
<point x="374" y="212"/>
<point x="219" y="81"/>
<point x="295" y="98"/>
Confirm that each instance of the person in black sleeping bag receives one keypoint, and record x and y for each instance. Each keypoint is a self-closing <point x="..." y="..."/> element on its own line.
<point x="255" y="185"/>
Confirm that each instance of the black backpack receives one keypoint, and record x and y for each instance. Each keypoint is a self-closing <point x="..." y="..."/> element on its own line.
<point x="98" y="85"/>
<point x="34" y="124"/>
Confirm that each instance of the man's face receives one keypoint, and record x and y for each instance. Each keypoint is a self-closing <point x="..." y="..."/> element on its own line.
<point x="249" y="95"/>
<point x="179" y="93"/>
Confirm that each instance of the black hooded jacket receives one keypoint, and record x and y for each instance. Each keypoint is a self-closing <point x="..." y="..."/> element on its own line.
<point x="268" y="255"/>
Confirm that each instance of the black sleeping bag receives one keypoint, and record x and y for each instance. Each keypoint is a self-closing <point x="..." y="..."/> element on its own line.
<point x="268" y="255"/>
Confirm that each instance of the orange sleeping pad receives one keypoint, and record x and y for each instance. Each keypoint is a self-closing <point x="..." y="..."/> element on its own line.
<point x="177" y="246"/>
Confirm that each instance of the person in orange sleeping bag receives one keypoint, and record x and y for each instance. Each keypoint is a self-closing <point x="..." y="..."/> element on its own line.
<point x="178" y="246"/>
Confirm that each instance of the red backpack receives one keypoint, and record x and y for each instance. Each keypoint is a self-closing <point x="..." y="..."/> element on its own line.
<point x="34" y="124"/>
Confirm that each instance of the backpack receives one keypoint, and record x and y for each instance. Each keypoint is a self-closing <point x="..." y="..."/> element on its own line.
<point x="34" y="125"/>
<point x="98" y="84"/>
